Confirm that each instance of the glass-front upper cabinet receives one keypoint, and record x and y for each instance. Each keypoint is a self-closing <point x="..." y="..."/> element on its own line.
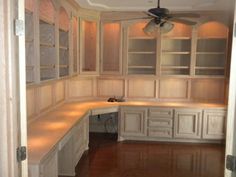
<point x="47" y="40"/>
<point x="75" y="31"/>
<point x="111" y="48"/>
<point x="89" y="47"/>
<point x="64" y="24"/>
<point x="30" y="41"/>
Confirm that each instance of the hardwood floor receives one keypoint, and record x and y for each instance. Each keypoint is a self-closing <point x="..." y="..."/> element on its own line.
<point x="108" y="158"/>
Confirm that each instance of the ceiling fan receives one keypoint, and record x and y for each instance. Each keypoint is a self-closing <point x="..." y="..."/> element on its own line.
<point x="161" y="17"/>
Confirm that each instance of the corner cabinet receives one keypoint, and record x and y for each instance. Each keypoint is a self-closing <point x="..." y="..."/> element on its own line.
<point x="133" y="122"/>
<point x="89" y="62"/>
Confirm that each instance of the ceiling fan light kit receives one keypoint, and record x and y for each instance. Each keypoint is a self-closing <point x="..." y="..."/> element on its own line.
<point x="162" y="18"/>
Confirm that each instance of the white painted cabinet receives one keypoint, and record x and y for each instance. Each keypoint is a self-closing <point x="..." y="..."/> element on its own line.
<point x="214" y="124"/>
<point x="133" y="121"/>
<point x="160" y="122"/>
<point x="49" y="166"/>
<point x="187" y="123"/>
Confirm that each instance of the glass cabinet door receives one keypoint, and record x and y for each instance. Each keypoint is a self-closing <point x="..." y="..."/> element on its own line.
<point x="89" y="61"/>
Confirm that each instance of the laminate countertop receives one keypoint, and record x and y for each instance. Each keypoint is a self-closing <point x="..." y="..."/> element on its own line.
<point x="45" y="132"/>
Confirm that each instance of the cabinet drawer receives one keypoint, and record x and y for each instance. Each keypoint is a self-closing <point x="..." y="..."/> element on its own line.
<point x="160" y="112"/>
<point x="160" y="132"/>
<point x="160" y="122"/>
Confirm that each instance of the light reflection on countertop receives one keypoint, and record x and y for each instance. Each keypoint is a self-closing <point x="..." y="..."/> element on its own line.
<point x="46" y="131"/>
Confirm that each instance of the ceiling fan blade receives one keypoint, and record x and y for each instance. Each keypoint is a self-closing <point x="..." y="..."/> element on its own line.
<point x="132" y="18"/>
<point x="187" y="22"/>
<point x="186" y="15"/>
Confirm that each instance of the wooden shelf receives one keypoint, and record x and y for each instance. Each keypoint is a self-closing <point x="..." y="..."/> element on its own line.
<point x="141" y="67"/>
<point x="64" y="66"/>
<point x="212" y="37"/>
<point x="175" y="67"/>
<point x="176" y="38"/>
<point x="210" y="53"/>
<point x="64" y="47"/>
<point x="142" y="52"/>
<point x="175" y="53"/>
<point x="209" y="68"/>
<point x="47" y="45"/>
<point x="47" y="66"/>
<point x="141" y="38"/>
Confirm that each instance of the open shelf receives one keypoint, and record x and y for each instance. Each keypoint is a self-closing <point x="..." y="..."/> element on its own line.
<point x="176" y="51"/>
<point x="141" y="50"/>
<point x="211" y="49"/>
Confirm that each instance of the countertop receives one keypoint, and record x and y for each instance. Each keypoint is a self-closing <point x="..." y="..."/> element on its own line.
<point x="45" y="132"/>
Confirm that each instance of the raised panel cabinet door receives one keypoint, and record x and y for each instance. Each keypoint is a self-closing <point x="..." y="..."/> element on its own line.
<point x="49" y="167"/>
<point x="133" y="121"/>
<point x="214" y="124"/>
<point x="187" y="123"/>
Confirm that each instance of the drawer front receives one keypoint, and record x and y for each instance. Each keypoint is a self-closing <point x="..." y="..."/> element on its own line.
<point x="160" y="112"/>
<point x="161" y="122"/>
<point x="160" y="132"/>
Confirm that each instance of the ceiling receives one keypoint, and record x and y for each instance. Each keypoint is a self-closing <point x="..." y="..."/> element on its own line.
<point x="142" y="5"/>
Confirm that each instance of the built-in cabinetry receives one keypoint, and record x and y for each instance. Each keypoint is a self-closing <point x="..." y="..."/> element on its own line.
<point x="176" y="50"/>
<point x="89" y="46"/>
<point x="30" y="42"/>
<point x="133" y="122"/>
<point x="64" y="26"/>
<point x="211" y="53"/>
<point x="184" y="51"/>
<point x="172" y="124"/>
<point x="47" y="40"/>
<point x="111" y="48"/>
<point x="141" y="51"/>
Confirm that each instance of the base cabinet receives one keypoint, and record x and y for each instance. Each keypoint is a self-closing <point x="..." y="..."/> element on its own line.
<point x="187" y="123"/>
<point x="133" y="122"/>
<point x="172" y="124"/>
<point x="49" y="166"/>
<point x="214" y="124"/>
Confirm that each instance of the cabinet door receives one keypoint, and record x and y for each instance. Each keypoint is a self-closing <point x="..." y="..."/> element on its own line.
<point x="49" y="167"/>
<point x="133" y="121"/>
<point x="187" y="123"/>
<point x="111" y="48"/>
<point x="89" y="47"/>
<point x="214" y="124"/>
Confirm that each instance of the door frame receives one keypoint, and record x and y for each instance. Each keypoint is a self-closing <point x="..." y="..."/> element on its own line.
<point x="13" y="124"/>
<point x="231" y="112"/>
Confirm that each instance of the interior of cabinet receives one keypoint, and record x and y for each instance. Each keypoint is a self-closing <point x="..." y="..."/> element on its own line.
<point x="141" y="50"/>
<point x="111" y="47"/>
<point x="211" y="49"/>
<point x="75" y="30"/>
<point x="48" y="60"/>
<point x="176" y="50"/>
<point x="29" y="41"/>
<point x="89" y="46"/>
<point x="64" y="25"/>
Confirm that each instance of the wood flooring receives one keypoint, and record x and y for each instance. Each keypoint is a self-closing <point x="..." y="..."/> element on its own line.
<point x="108" y="158"/>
